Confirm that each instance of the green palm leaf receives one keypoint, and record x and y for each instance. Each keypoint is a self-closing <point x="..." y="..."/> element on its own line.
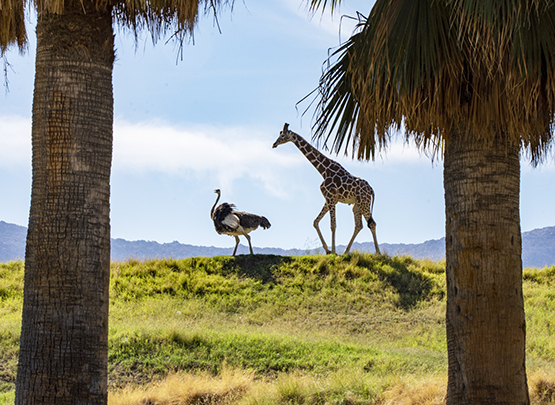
<point x="388" y="73"/>
<point x="430" y="66"/>
<point x="323" y="4"/>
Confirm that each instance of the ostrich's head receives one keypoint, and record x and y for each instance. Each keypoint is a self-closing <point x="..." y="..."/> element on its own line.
<point x="217" y="191"/>
<point x="284" y="136"/>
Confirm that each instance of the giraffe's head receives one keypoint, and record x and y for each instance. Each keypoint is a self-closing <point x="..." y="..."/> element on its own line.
<point x="284" y="136"/>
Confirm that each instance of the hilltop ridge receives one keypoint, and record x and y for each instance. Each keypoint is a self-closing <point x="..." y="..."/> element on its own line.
<point x="538" y="248"/>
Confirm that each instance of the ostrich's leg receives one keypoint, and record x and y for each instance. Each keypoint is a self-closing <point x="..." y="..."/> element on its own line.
<point x="249" y="240"/>
<point x="236" y="244"/>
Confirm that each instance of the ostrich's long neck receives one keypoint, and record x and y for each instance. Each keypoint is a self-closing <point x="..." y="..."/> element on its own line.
<point x="214" y="206"/>
<point x="314" y="156"/>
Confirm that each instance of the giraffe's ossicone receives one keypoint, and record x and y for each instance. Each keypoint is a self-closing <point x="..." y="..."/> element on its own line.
<point x="339" y="186"/>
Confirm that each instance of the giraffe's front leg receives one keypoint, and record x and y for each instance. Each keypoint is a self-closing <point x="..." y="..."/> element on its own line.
<point x="325" y="209"/>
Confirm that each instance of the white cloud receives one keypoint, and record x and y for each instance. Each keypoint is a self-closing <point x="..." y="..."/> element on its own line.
<point x="227" y="153"/>
<point x="15" y="141"/>
<point x="200" y="151"/>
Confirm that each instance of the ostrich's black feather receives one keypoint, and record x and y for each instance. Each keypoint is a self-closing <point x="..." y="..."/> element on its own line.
<point x="219" y="216"/>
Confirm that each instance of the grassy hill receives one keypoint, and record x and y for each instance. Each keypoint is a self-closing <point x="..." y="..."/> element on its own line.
<point x="355" y="329"/>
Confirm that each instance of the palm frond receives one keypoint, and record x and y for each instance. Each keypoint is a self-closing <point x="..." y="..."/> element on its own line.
<point x="341" y="108"/>
<point x="160" y="17"/>
<point x="388" y="75"/>
<point x="12" y="25"/>
<point x="178" y="18"/>
<point x="415" y="65"/>
<point x="323" y="4"/>
<point x="516" y="40"/>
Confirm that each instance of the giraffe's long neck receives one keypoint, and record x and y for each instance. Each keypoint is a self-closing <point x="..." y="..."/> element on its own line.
<point x="321" y="162"/>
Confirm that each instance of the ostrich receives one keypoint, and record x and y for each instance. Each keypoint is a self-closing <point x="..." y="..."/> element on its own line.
<point x="234" y="223"/>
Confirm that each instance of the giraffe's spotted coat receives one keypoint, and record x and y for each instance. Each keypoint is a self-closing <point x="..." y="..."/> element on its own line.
<point x="339" y="186"/>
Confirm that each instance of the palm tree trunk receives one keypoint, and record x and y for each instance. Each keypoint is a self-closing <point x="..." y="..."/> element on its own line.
<point x="64" y="335"/>
<point x="485" y="306"/>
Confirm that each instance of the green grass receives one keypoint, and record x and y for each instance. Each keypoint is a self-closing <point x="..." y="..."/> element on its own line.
<point x="11" y="302"/>
<point x="539" y="298"/>
<point x="356" y="324"/>
<point x="274" y="314"/>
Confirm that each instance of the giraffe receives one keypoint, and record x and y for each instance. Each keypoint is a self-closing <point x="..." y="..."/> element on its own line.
<point x="338" y="186"/>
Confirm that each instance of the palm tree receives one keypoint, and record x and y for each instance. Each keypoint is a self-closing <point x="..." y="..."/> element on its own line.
<point x="64" y="335"/>
<point x="474" y="82"/>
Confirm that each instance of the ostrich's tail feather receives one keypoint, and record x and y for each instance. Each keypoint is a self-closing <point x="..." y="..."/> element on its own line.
<point x="252" y="221"/>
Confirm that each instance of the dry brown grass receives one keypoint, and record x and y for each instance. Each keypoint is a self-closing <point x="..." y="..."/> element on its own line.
<point x="241" y="388"/>
<point x="432" y="391"/>
<point x="428" y="392"/>
<point x="542" y="387"/>
<point x="187" y="389"/>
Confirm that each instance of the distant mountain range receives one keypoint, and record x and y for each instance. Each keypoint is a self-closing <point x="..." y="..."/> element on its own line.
<point x="538" y="248"/>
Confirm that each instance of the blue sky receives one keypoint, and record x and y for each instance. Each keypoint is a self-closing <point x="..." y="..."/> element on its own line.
<point x="185" y="127"/>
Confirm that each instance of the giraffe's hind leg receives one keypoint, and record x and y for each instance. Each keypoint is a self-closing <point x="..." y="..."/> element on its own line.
<point x="358" y="227"/>
<point x="367" y="212"/>
<point x="325" y="209"/>
<point x="333" y="227"/>
<point x="372" y="226"/>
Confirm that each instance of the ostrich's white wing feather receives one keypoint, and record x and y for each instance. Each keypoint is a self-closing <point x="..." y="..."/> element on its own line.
<point x="232" y="221"/>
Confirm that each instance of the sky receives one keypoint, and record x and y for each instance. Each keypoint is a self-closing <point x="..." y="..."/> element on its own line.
<point x="184" y="126"/>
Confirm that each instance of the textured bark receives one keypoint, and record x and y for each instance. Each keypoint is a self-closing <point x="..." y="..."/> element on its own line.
<point x="64" y="335"/>
<point x="485" y="307"/>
